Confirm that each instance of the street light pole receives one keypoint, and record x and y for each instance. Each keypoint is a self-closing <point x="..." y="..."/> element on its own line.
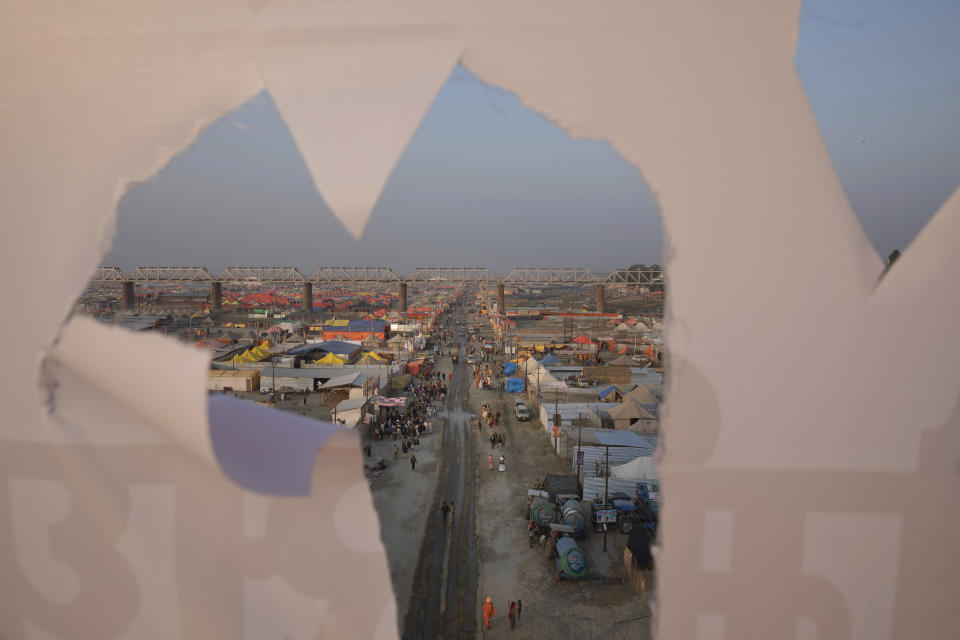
<point x="606" y="488"/>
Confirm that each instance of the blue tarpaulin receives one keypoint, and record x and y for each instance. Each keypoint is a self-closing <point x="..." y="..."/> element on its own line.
<point x="509" y="368"/>
<point x="514" y="385"/>
<point x="550" y="359"/>
<point x="299" y="351"/>
<point x="616" y="387"/>
<point x="339" y="348"/>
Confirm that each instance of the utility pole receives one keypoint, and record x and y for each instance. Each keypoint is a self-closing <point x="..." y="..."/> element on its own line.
<point x="606" y="488"/>
<point x="579" y="446"/>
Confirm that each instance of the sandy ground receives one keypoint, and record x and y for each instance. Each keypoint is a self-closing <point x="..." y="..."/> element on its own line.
<point x="602" y="605"/>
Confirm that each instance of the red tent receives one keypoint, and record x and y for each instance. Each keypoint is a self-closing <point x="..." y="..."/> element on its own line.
<point x="582" y="339"/>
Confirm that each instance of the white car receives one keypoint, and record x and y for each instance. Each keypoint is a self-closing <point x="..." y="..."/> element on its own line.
<point x="523" y="414"/>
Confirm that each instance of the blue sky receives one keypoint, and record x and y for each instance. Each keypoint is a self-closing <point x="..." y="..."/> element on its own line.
<point x="486" y="181"/>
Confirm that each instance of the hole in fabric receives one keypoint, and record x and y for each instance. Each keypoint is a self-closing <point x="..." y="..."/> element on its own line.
<point x="484" y="181"/>
<point x="882" y="81"/>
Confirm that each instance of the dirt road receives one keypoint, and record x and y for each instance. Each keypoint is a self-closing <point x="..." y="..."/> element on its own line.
<point x="443" y="597"/>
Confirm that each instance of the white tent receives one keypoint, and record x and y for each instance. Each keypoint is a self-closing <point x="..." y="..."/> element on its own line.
<point x="641" y="468"/>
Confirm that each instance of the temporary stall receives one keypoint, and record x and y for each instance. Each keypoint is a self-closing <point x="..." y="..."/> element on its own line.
<point x="571" y="413"/>
<point x="233" y="380"/>
<point x="352" y="383"/>
<point x="646" y="377"/>
<point x="514" y="385"/>
<point x="349" y="412"/>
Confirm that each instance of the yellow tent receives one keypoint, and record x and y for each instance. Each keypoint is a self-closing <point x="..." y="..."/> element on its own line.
<point x="255" y="354"/>
<point x="331" y="359"/>
<point x="370" y="358"/>
<point x="338" y="323"/>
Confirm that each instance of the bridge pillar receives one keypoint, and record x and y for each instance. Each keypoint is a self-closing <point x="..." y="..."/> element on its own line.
<point x="308" y="296"/>
<point x="601" y="302"/>
<point x="216" y="295"/>
<point x="402" y="307"/>
<point x="501" y="303"/>
<point x="128" y="299"/>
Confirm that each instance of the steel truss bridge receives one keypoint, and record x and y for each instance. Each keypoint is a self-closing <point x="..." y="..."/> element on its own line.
<point x="420" y="275"/>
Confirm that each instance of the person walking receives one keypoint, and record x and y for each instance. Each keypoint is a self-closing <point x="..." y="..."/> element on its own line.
<point x="519" y="609"/>
<point x="445" y="509"/>
<point x="512" y="615"/>
<point x="396" y="451"/>
<point x="488" y="612"/>
<point x="491" y="462"/>
<point x="413" y="462"/>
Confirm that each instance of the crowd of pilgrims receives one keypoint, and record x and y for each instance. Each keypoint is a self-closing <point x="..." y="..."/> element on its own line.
<point x="407" y="427"/>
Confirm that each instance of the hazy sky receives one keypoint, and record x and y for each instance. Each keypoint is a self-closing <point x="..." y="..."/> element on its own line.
<point x="487" y="182"/>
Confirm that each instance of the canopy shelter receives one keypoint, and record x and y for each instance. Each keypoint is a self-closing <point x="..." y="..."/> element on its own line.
<point x="339" y="347"/>
<point x="628" y="413"/>
<point x="514" y="385"/>
<point x="641" y="395"/>
<point x="371" y="342"/>
<point x="332" y="359"/>
<point x="371" y="358"/>
<point x="614" y="392"/>
<point x="640" y="468"/>
<point x="550" y="359"/>
<point x="348" y="380"/>
<point x="255" y="354"/>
